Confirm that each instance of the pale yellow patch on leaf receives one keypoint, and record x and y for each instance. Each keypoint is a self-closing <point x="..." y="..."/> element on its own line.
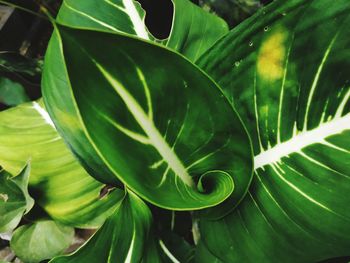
<point x="271" y="56"/>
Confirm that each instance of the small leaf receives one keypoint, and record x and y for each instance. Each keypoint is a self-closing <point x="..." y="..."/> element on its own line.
<point x="41" y="240"/>
<point x="12" y="93"/>
<point x="22" y="181"/>
<point x="14" y="199"/>
<point x="125" y="237"/>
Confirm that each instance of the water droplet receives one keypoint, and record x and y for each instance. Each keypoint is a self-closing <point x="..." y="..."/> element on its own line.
<point x="251" y="43"/>
<point x="237" y="63"/>
<point x="284" y="14"/>
<point x="266" y="28"/>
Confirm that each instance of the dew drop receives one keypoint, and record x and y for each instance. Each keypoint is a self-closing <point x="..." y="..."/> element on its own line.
<point x="251" y="43"/>
<point x="284" y="14"/>
<point x="266" y="28"/>
<point x="237" y="63"/>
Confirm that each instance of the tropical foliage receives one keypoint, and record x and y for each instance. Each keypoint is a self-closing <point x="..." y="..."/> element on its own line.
<point x="208" y="146"/>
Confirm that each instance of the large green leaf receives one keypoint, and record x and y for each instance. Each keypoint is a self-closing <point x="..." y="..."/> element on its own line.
<point x="153" y="119"/>
<point x="290" y="84"/>
<point x="125" y="237"/>
<point x="41" y="240"/>
<point x="15" y="200"/>
<point x="193" y="29"/>
<point x="61" y="185"/>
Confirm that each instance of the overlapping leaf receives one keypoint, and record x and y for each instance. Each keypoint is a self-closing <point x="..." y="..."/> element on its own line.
<point x="120" y="16"/>
<point x="193" y="30"/>
<point x="12" y="93"/>
<point x="286" y="71"/>
<point x="62" y="186"/>
<point x="124" y="98"/>
<point x="41" y="240"/>
<point x="176" y="248"/>
<point x="15" y="200"/>
<point x="125" y="237"/>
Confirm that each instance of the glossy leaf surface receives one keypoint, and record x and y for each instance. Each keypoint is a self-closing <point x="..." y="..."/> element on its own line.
<point x="124" y="237"/>
<point x="125" y="98"/>
<point x="286" y="71"/>
<point x="41" y="240"/>
<point x="193" y="29"/>
<point x="120" y="16"/>
<point x="66" y="191"/>
<point x="15" y="200"/>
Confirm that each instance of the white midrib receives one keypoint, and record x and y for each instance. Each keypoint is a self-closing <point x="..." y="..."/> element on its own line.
<point x="43" y="113"/>
<point x="151" y="131"/>
<point x="135" y="18"/>
<point x="302" y="140"/>
<point x="131" y="249"/>
<point x="129" y="9"/>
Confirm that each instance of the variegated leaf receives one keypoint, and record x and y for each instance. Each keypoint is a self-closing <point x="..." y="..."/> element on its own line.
<point x="64" y="189"/>
<point x="286" y="71"/>
<point x="134" y="112"/>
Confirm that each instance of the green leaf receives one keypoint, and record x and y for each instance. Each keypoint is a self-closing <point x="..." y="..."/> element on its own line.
<point x="194" y="30"/>
<point x="12" y="93"/>
<point x="14" y="199"/>
<point x="290" y="84"/>
<point x="22" y="181"/>
<point x="203" y="255"/>
<point x="123" y="237"/>
<point x="61" y="185"/>
<point x="122" y="16"/>
<point x="176" y="248"/>
<point x="146" y="98"/>
<point x="41" y="240"/>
